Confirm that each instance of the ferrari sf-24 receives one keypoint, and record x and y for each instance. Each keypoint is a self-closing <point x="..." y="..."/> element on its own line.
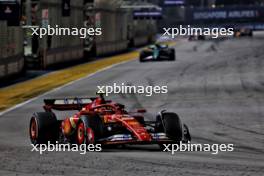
<point x="100" y="121"/>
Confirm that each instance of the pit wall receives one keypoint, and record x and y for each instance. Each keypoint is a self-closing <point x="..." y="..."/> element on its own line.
<point x="61" y="48"/>
<point x="11" y="50"/>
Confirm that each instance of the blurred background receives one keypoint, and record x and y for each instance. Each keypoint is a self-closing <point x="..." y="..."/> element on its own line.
<point x="125" y="24"/>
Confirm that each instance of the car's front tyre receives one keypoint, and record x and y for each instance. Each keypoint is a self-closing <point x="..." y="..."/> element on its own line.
<point x="170" y="123"/>
<point x="172" y="55"/>
<point x="89" y="129"/>
<point x="142" y="56"/>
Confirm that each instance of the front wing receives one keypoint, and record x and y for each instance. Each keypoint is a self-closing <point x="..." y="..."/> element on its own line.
<point x="160" y="57"/>
<point x="156" y="138"/>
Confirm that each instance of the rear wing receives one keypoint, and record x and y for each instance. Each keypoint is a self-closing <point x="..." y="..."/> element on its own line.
<point x="66" y="103"/>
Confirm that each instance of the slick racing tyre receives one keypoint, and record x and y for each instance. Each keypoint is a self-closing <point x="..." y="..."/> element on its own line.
<point x="89" y="129"/>
<point x="186" y="134"/>
<point x="170" y="123"/>
<point x="43" y="127"/>
<point x="143" y="55"/>
<point x="172" y="55"/>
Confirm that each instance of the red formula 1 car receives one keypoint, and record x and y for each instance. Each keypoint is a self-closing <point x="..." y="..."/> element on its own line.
<point x="102" y="121"/>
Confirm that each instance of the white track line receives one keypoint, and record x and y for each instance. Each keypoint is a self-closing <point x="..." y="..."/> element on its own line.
<point x="58" y="88"/>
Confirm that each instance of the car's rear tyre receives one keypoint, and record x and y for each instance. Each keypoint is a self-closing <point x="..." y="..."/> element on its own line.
<point x="89" y="129"/>
<point x="43" y="127"/>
